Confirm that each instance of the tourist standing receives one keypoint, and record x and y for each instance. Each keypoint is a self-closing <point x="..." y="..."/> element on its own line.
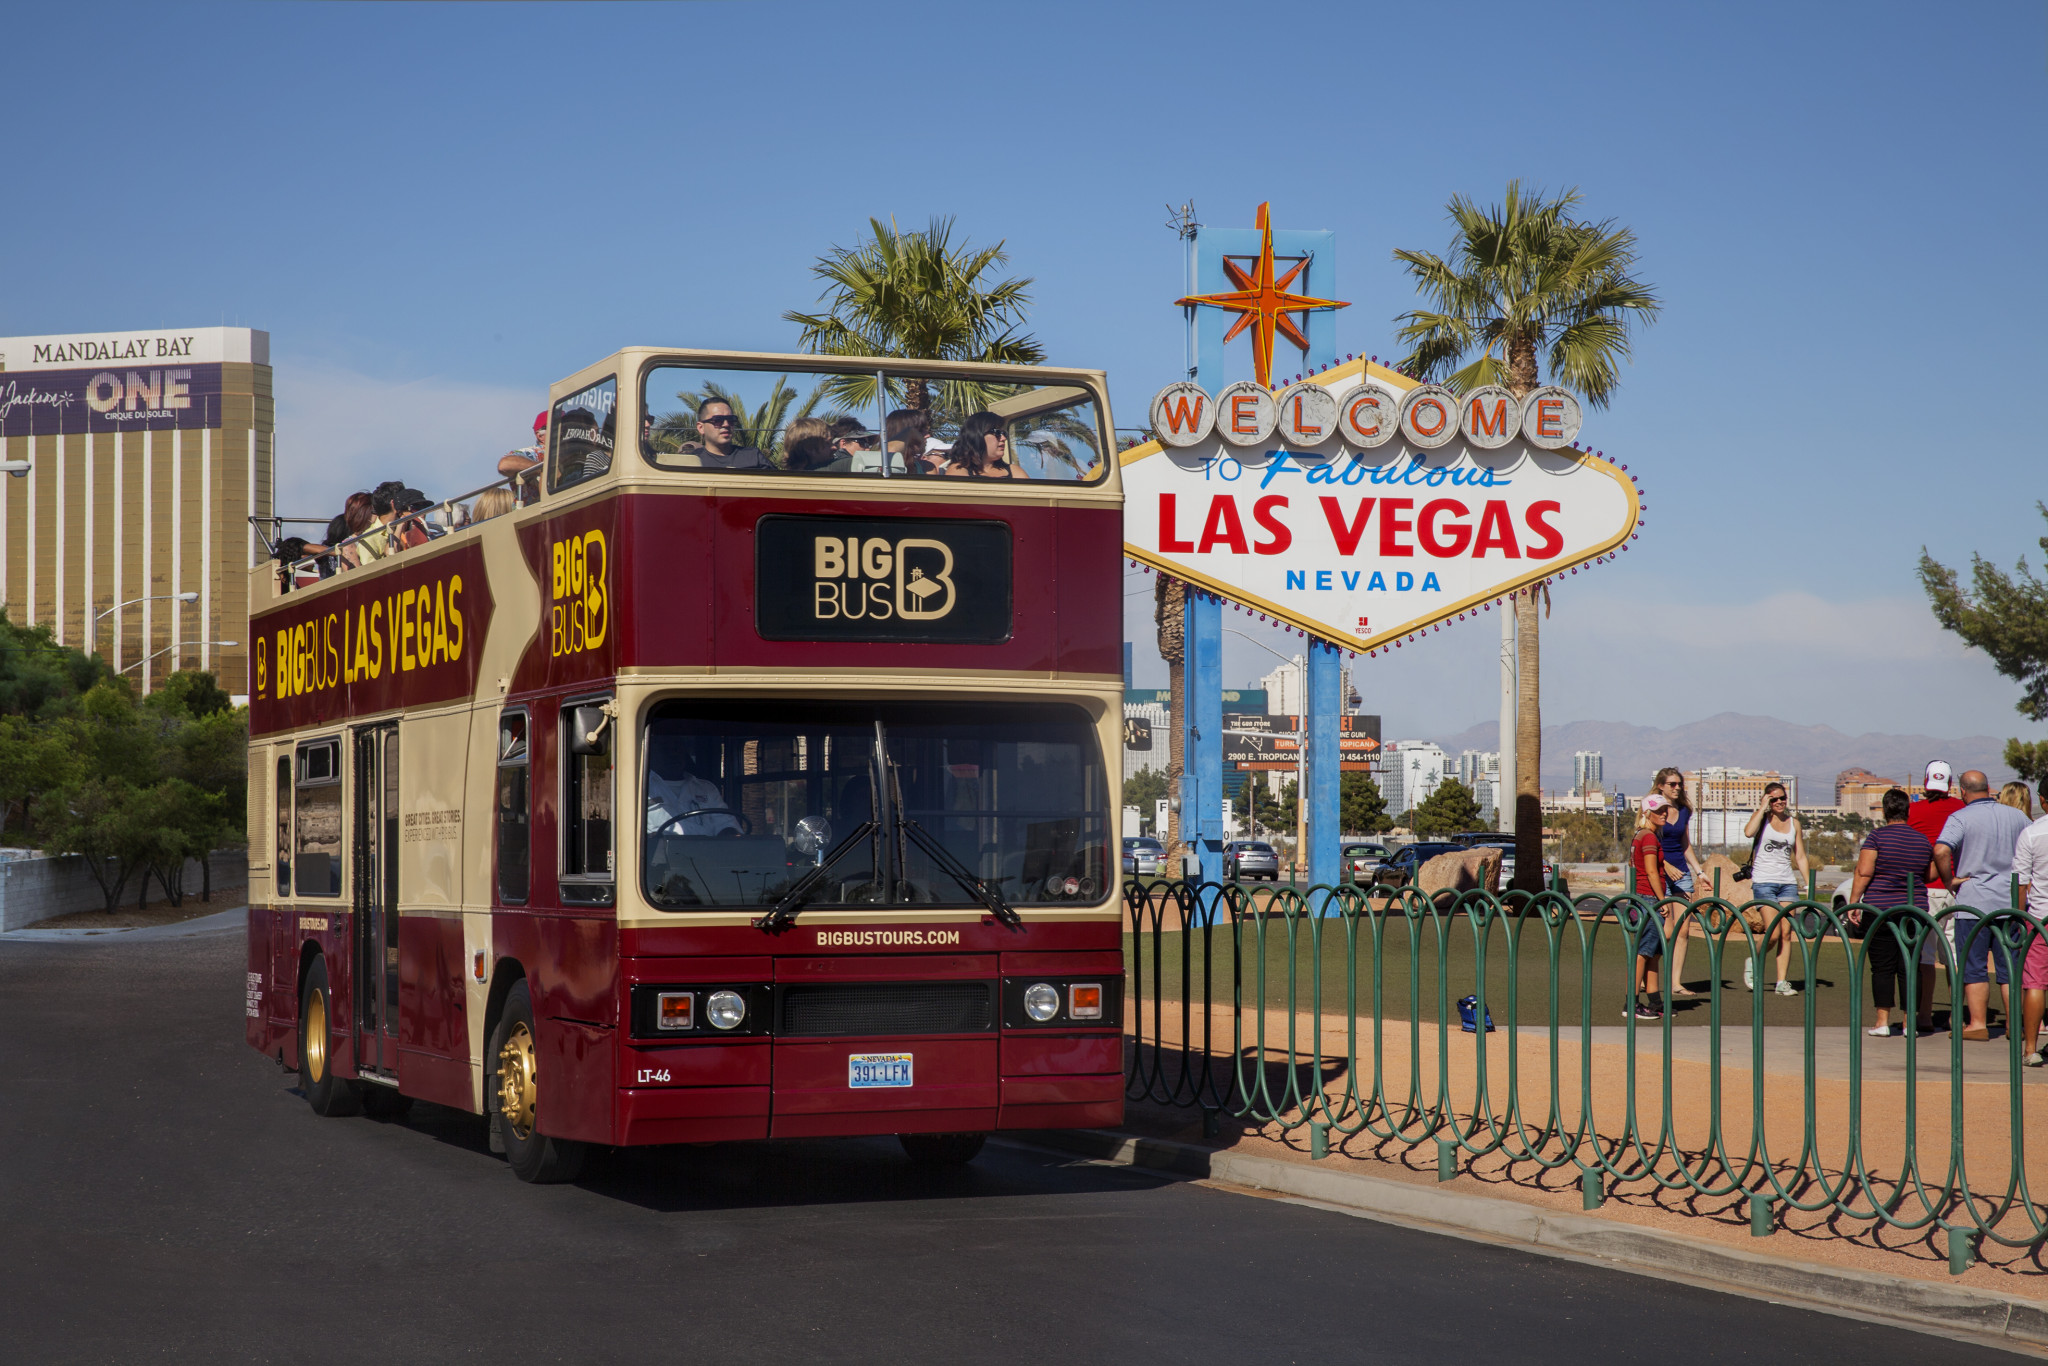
<point x="1974" y="856"/>
<point x="1675" y="835"/>
<point x="1892" y="870"/>
<point x="2030" y="866"/>
<point x="1646" y="925"/>
<point x="1777" y="869"/>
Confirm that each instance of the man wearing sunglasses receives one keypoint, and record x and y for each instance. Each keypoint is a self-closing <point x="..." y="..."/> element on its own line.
<point x="717" y="446"/>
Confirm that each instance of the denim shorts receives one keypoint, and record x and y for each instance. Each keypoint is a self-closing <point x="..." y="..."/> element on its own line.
<point x="1988" y="944"/>
<point x="1648" y="927"/>
<point x="1681" y="883"/>
<point x="1776" y="891"/>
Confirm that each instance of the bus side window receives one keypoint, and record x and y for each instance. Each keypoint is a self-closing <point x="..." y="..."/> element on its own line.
<point x="316" y="820"/>
<point x="281" y="875"/>
<point x="581" y="432"/>
<point x="515" y="809"/>
<point x="587" y="792"/>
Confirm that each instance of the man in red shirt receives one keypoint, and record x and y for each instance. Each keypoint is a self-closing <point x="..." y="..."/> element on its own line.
<point x="1928" y="816"/>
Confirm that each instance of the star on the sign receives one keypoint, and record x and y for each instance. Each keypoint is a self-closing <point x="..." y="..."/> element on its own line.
<point x="1264" y="302"/>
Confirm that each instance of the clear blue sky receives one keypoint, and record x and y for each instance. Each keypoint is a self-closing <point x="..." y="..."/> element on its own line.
<point x="436" y="211"/>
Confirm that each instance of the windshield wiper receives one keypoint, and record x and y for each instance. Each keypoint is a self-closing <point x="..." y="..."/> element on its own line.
<point x="952" y="867"/>
<point x="786" y="910"/>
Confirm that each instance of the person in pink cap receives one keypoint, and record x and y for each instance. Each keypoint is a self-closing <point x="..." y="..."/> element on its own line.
<point x="1648" y="928"/>
<point x="526" y="461"/>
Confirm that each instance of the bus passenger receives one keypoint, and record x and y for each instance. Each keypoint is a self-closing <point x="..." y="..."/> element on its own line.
<point x="807" y="443"/>
<point x="677" y="798"/>
<point x="492" y="503"/>
<point x="526" y="461"/>
<point x="983" y="450"/>
<point x="717" y="446"/>
<point x="855" y="448"/>
<point x="909" y="431"/>
<point x="356" y="518"/>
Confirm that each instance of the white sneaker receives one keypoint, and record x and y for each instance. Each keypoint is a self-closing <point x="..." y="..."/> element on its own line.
<point x="1785" y="988"/>
<point x="2031" y="1060"/>
<point x="1749" y="973"/>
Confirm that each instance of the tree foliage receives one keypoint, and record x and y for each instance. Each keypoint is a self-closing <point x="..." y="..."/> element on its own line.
<point x="135" y="787"/>
<point x="918" y="296"/>
<point x="1518" y="276"/>
<point x="1143" y="788"/>
<point x="1269" y="812"/>
<point x="1363" y="808"/>
<point x="1449" y="809"/>
<point x="2005" y="616"/>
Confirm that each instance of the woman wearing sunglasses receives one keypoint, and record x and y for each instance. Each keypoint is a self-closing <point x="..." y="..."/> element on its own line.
<point x="1777" y="865"/>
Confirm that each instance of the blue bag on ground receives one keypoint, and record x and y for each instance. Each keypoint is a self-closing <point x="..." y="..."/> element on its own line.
<point x="1467" y="1010"/>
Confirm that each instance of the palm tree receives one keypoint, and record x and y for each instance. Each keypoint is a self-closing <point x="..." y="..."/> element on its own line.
<point x="916" y="296"/>
<point x="1169" y="603"/>
<point x="1520" y="277"/>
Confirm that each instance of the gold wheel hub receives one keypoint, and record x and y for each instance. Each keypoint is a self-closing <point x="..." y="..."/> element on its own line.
<point x="517" y="1094"/>
<point x="316" y="1037"/>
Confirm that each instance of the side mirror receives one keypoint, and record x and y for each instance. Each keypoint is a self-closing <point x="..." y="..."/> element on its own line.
<point x="587" y="730"/>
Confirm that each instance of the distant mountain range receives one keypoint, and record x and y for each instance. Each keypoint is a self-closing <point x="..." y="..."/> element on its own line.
<point x="1815" y="753"/>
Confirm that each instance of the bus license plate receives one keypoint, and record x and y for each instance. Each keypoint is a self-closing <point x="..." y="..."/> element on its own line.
<point x="877" y="1069"/>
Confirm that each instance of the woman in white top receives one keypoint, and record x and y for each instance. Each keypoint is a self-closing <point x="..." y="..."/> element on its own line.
<point x="1777" y="868"/>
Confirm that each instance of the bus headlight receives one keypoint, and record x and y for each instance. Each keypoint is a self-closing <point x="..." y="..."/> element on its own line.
<point x="1041" y="1001"/>
<point x="725" y="1009"/>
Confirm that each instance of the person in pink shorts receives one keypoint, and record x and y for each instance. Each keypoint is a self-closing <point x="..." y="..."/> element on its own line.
<point x="2030" y="866"/>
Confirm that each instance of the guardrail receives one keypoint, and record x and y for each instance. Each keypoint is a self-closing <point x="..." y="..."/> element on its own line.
<point x="1337" y="1011"/>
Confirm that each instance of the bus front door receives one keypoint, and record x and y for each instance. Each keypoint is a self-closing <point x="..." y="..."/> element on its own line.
<point x="376" y="900"/>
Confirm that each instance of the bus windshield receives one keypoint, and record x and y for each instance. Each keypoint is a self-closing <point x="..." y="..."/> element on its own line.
<point x="744" y="799"/>
<point x="846" y="423"/>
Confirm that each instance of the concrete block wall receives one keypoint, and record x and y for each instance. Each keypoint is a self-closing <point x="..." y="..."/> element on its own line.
<point x="34" y="889"/>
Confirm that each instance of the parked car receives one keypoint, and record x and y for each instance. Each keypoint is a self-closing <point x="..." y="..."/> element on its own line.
<point x="1250" y="859"/>
<point x="1142" y="856"/>
<point x="1399" y="870"/>
<point x="1364" y="859"/>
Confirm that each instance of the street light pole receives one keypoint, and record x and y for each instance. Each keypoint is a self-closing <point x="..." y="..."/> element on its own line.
<point x="180" y="645"/>
<point x="93" y="640"/>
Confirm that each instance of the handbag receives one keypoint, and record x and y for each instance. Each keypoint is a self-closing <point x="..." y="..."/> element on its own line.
<point x="1749" y="864"/>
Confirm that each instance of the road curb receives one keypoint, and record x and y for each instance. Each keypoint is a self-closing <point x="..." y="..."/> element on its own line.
<point x="220" y="922"/>
<point x="1954" y="1311"/>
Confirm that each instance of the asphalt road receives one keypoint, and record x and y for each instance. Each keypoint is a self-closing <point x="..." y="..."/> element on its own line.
<point x="165" y="1195"/>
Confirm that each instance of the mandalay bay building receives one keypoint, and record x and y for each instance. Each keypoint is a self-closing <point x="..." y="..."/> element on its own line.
<point x="134" y="462"/>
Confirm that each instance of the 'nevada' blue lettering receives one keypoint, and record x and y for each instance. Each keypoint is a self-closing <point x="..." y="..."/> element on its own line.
<point x="1376" y="584"/>
<point x="1403" y="581"/>
<point x="1351" y="577"/>
<point x="1323" y="584"/>
<point x="1297" y="578"/>
<point x="1430" y="585"/>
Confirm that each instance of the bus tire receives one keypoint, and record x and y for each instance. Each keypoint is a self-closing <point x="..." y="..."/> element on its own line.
<point x="325" y="1092"/>
<point x="532" y="1155"/>
<point x="942" y="1150"/>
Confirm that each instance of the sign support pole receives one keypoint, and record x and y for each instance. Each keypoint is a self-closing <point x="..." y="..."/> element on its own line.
<point x="1504" y="787"/>
<point x="1201" y="801"/>
<point x="1325" y="768"/>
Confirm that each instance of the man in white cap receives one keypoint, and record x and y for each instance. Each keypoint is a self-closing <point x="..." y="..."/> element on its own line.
<point x="1928" y="815"/>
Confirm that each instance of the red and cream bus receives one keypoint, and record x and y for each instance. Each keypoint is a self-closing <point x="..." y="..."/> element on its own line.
<point x="753" y="776"/>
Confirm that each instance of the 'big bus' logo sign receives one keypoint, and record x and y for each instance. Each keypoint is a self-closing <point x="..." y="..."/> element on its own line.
<point x="579" y="613"/>
<point x="405" y="637"/>
<point x="882" y="579"/>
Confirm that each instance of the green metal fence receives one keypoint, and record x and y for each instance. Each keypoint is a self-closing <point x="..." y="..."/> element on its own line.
<point x="1330" y="1011"/>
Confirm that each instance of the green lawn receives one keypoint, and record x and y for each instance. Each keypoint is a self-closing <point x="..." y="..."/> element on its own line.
<point x="1422" y="967"/>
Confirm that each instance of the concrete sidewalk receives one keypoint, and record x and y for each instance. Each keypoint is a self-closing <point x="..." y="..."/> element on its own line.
<point x="1987" y="1063"/>
<point x="235" y="919"/>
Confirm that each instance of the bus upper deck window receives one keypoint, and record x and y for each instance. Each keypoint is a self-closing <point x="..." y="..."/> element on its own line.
<point x="854" y="423"/>
<point x="316" y="820"/>
<point x="581" y="433"/>
<point x="514" y="809"/>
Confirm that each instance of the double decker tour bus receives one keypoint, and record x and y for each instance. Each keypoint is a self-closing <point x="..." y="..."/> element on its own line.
<point x="749" y="776"/>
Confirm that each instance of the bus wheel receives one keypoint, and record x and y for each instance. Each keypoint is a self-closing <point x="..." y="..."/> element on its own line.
<point x="532" y="1155"/>
<point x="942" y="1150"/>
<point x="327" y="1093"/>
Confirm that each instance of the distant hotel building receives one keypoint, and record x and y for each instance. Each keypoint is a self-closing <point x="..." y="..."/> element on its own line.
<point x="147" y="453"/>
<point x="1589" y="771"/>
<point x="1479" y="771"/>
<point x="1723" y="799"/>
